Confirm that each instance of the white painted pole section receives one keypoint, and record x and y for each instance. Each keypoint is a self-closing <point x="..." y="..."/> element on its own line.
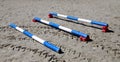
<point x="84" y="20"/>
<point x="46" y="22"/>
<point x="62" y="15"/>
<point x="64" y="28"/>
<point x="20" y="29"/>
<point x="38" y="39"/>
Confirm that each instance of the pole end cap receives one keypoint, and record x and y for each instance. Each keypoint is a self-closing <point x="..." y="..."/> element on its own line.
<point x="50" y="16"/>
<point x="34" y="20"/>
<point x="84" y="39"/>
<point x="105" y="29"/>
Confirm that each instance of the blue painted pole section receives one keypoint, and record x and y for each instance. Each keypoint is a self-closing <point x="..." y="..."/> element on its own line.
<point x="37" y="19"/>
<point x="45" y="43"/>
<point x="72" y="18"/>
<point x="54" y="25"/>
<point x="13" y="25"/>
<point x="99" y="23"/>
<point x="54" y="14"/>
<point x="51" y="46"/>
<point x="27" y="33"/>
<point x="77" y="33"/>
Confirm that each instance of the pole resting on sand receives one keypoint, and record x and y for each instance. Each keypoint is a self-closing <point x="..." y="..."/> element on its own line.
<point x="44" y="42"/>
<point x="83" y="37"/>
<point x="104" y="25"/>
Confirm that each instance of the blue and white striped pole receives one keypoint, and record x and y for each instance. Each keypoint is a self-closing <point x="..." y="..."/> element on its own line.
<point x="44" y="42"/>
<point x="83" y="37"/>
<point x="104" y="25"/>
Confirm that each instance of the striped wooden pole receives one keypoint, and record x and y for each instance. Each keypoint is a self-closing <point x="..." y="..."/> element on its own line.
<point x="83" y="36"/>
<point x="44" y="42"/>
<point x="103" y="24"/>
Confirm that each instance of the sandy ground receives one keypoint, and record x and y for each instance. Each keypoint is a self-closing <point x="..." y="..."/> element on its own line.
<point x="16" y="47"/>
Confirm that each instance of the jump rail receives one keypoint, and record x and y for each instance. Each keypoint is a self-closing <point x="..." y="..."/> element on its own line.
<point x="44" y="42"/>
<point x="104" y="25"/>
<point x="83" y="37"/>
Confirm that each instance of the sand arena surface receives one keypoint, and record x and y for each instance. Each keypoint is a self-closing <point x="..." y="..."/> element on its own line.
<point x="16" y="47"/>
